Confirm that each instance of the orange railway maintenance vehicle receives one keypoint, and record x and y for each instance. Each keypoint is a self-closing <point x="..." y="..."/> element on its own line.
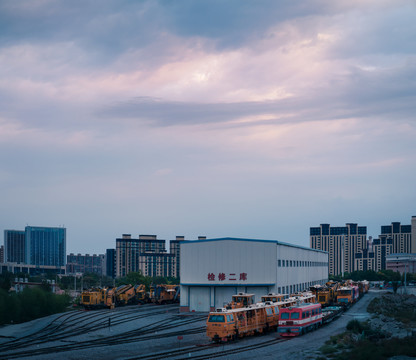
<point x="98" y="298"/>
<point x="228" y="323"/>
<point x="141" y="295"/>
<point x="166" y="294"/>
<point x="125" y="294"/>
<point x="240" y="300"/>
<point x="347" y="295"/>
<point x="273" y="297"/>
<point x="326" y="294"/>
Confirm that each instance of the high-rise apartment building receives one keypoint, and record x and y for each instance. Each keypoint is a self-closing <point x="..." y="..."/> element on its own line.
<point x="146" y="254"/>
<point x="175" y="250"/>
<point x="157" y="264"/>
<point x="85" y="264"/>
<point x="15" y="246"/>
<point x="45" y="245"/>
<point x="110" y="260"/>
<point x="349" y="250"/>
<point x="365" y="260"/>
<point x="2" y="254"/>
<point x="341" y="242"/>
<point x="374" y="257"/>
<point x="381" y="247"/>
<point x="401" y="236"/>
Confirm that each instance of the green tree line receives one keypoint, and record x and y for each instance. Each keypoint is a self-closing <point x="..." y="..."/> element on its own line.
<point x="370" y="275"/>
<point x="30" y="304"/>
<point x="137" y="278"/>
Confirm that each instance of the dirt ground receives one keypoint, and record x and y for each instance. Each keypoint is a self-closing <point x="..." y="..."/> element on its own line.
<point x="393" y="315"/>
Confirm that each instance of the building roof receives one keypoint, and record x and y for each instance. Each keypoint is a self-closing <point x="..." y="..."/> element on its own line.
<point x="252" y="240"/>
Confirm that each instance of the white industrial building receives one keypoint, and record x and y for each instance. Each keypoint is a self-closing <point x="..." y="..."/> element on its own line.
<point x="212" y="270"/>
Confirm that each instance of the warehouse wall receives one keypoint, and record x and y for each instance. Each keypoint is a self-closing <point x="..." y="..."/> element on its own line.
<point x="213" y="270"/>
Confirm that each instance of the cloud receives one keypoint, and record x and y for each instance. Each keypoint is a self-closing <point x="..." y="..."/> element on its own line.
<point x="129" y="113"/>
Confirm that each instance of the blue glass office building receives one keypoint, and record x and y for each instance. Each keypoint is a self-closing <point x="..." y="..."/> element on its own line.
<point x="45" y="246"/>
<point x="15" y="246"/>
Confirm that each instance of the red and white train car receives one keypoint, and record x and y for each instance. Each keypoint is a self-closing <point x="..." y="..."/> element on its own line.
<point x="298" y="320"/>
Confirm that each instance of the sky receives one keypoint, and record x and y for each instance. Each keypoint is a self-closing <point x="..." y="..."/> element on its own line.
<point x="253" y="119"/>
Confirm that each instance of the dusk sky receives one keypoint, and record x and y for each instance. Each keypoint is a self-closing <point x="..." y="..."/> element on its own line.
<point x="254" y="119"/>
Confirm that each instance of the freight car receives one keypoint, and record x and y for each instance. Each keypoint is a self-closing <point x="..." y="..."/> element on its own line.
<point x="298" y="320"/>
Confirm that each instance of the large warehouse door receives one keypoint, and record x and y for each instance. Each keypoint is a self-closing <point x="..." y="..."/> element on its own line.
<point x="223" y="295"/>
<point x="199" y="298"/>
<point x="258" y="291"/>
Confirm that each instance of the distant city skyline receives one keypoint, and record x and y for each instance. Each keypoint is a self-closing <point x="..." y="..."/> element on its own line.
<point x="214" y="118"/>
<point x="112" y="242"/>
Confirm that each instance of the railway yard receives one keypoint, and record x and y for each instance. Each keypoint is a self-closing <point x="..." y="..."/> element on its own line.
<point x="153" y="331"/>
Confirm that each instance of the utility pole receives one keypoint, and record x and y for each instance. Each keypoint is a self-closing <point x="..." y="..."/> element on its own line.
<point x="342" y="256"/>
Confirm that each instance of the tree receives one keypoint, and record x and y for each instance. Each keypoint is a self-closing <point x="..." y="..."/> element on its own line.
<point x="6" y="281"/>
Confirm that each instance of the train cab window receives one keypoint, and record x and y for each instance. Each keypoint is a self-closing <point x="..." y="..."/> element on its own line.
<point x="284" y="316"/>
<point x="269" y="311"/>
<point x="294" y="315"/>
<point x="216" y="318"/>
<point x="303" y="315"/>
<point x="230" y="318"/>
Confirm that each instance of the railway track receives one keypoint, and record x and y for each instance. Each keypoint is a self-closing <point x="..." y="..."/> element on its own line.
<point x="79" y="323"/>
<point x="155" y="330"/>
<point x="190" y="351"/>
<point x="73" y="331"/>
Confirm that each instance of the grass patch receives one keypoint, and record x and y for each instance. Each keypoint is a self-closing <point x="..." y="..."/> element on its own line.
<point x="327" y="349"/>
<point x="360" y="342"/>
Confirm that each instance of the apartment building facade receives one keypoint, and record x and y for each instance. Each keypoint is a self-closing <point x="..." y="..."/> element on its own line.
<point x="349" y="250"/>
<point x="341" y="243"/>
<point x="77" y="263"/>
<point x="146" y="254"/>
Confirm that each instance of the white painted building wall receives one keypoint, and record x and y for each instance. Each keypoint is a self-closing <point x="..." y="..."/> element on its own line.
<point x="213" y="270"/>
